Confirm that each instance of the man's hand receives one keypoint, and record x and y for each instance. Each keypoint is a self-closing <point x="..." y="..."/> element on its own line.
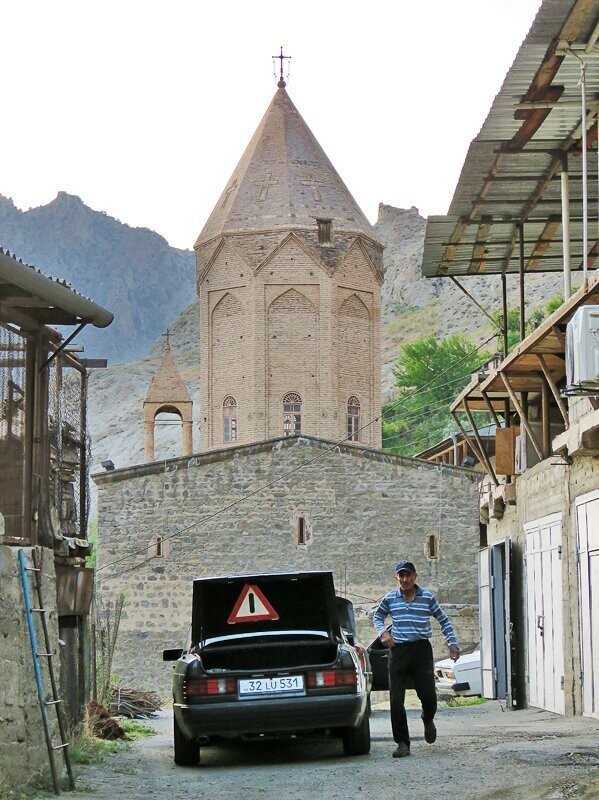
<point x="387" y="639"/>
<point x="454" y="652"/>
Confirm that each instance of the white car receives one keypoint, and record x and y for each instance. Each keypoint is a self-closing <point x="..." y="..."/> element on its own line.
<point x="462" y="677"/>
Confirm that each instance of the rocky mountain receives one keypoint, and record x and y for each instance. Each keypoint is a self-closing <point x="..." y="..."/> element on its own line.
<point x="151" y="286"/>
<point x="133" y="272"/>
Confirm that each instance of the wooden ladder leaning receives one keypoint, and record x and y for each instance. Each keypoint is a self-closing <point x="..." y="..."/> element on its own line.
<point x="47" y="655"/>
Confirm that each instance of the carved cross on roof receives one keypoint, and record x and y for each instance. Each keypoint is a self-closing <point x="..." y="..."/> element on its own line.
<point x="281" y="84"/>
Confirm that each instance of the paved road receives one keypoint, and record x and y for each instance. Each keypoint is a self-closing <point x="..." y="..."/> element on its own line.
<point x="481" y="752"/>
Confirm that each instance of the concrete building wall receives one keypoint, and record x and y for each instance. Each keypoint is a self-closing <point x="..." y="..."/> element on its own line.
<point x="549" y="487"/>
<point x="366" y="509"/>
<point x="23" y="754"/>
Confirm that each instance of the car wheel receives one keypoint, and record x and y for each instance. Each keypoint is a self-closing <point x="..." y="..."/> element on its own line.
<point x="356" y="741"/>
<point x="187" y="752"/>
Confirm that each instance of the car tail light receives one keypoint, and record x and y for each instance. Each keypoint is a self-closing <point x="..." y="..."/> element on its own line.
<point x="330" y="677"/>
<point x="361" y="653"/>
<point x="209" y="687"/>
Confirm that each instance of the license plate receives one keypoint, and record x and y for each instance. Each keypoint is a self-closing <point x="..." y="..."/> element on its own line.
<point x="292" y="684"/>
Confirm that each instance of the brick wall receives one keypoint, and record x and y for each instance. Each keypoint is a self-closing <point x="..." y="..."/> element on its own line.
<point x="366" y="510"/>
<point x="292" y="324"/>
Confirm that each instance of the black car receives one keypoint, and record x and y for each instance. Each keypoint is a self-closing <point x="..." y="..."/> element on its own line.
<point x="272" y="654"/>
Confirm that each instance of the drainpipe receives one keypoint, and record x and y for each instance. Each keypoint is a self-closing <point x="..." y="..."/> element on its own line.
<point x="583" y="120"/>
<point x="566" y="227"/>
<point x="454" y="439"/>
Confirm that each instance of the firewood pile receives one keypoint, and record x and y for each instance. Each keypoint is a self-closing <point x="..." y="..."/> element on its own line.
<point x="134" y="703"/>
<point x="101" y="724"/>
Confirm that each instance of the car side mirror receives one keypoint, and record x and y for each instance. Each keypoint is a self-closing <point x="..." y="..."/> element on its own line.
<point x="172" y="655"/>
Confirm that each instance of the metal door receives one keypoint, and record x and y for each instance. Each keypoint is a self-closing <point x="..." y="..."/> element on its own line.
<point x="587" y="515"/>
<point x="545" y="649"/>
<point x="494" y="567"/>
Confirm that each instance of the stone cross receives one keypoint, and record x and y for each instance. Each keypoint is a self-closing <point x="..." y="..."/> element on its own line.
<point x="314" y="183"/>
<point x="228" y="192"/>
<point x="264" y="183"/>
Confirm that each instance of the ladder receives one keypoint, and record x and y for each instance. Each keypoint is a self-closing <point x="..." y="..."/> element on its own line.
<point x="46" y="654"/>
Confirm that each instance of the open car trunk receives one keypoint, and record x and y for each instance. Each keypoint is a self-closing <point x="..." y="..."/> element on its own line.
<point x="279" y="653"/>
<point x="254" y="622"/>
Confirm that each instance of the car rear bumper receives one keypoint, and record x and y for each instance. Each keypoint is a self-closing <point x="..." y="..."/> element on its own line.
<point x="279" y="715"/>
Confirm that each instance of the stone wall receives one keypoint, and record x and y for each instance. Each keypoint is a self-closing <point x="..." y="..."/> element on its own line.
<point x="23" y="754"/>
<point x="366" y="509"/>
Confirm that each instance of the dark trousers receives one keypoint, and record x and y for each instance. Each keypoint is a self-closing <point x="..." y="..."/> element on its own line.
<point x="411" y="665"/>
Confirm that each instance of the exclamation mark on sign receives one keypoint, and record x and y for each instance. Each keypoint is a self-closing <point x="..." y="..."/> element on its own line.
<point x="252" y="603"/>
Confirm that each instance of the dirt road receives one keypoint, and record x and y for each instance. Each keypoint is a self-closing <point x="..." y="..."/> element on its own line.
<point x="481" y="752"/>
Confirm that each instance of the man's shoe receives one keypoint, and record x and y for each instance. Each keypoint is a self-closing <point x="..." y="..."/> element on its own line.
<point x="401" y="750"/>
<point x="430" y="732"/>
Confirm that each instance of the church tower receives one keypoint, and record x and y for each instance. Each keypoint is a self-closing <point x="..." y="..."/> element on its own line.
<point x="289" y="274"/>
<point x="168" y="393"/>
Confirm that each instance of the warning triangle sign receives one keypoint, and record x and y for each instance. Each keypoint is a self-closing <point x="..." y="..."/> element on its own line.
<point x="251" y="606"/>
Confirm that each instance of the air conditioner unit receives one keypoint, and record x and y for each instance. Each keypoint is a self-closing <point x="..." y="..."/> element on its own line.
<point x="582" y="353"/>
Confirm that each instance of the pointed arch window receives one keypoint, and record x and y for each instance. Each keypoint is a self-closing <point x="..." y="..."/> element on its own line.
<point x="292" y="414"/>
<point x="229" y="420"/>
<point x="353" y="419"/>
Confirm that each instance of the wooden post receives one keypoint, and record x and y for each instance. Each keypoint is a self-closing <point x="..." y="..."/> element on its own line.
<point x="522" y="415"/>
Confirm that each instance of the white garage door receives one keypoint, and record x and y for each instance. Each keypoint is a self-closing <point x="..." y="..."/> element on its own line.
<point x="544" y="613"/>
<point x="587" y="516"/>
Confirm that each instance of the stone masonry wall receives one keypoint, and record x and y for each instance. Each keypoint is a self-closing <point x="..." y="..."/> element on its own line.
<point x="23" y="754"/>
<point x="366" y="510"/>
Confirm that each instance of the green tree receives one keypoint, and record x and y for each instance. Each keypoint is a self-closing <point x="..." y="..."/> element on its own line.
<point x="429" y="373"/>
<point x="535" y="318"/>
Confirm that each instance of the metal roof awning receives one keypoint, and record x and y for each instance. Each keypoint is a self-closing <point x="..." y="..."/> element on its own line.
<point x="30" y="299"/>
<point x="512" y="173"/>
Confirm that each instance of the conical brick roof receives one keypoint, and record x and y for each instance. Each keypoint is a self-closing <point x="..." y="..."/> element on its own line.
<point x="283" y="181"/>
<point x="167" y="384"/>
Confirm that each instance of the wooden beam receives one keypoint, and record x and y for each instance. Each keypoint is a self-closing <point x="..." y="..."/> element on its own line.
<point x="546" y="421"/>
<point x="480" y="444"/>
<point x="479" y="250"/>
<point x="523" y="418"/>
<point x="471" y="444"/>
<point x="554" y="390"/>
<point x="492" y="411"/>
<point x="545" y="239"/>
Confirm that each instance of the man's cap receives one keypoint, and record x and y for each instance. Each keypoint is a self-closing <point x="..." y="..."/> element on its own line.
<point x="406" y="566"/>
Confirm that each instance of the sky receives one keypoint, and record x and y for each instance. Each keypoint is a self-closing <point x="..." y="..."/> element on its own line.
<point x="142" y="108"/>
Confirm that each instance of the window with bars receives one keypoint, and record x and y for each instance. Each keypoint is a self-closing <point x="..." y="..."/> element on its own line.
<point x="353" y="419"/>
<point x="229" y="420"/>
<point x="292" y="414"/>
<point x="13" y="350"/>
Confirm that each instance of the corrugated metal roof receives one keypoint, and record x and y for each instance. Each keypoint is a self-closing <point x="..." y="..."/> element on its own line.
<point x="34" y="296"/>
<point x="512" y="169"/>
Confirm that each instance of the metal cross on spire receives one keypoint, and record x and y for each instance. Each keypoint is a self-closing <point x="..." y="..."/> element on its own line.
<point x="281" y="84"/>
<point x="167" y="344"/>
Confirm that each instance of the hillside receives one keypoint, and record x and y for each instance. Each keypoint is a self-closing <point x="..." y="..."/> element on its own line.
<point x="151" y="286"/>
<point x="131" y="271"/>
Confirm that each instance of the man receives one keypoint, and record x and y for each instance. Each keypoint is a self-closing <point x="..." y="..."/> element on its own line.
<point x="411" y="657"/>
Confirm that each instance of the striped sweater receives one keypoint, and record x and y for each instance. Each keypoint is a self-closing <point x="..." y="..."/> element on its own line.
<point x="411" y="621"/>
